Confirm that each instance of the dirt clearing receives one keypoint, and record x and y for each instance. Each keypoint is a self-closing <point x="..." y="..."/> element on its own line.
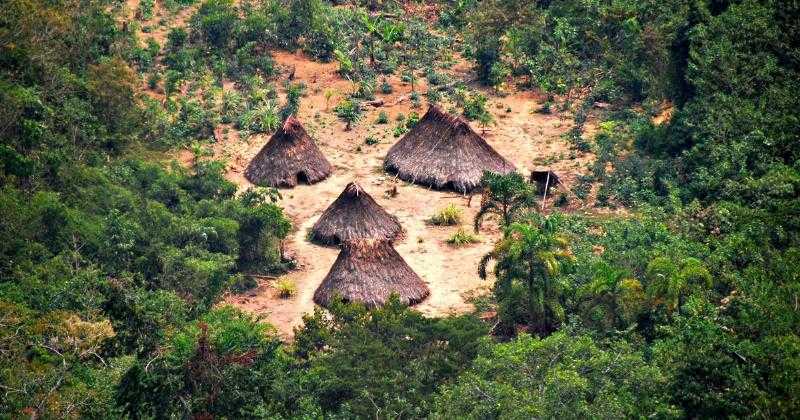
<point x="525" y="138"/>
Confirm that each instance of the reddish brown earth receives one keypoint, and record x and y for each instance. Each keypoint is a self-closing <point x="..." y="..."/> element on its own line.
<point x="526" y="138"/>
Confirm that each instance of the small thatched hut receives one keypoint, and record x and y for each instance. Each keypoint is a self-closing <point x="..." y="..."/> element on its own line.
<point x="544" y="179"/>
<point x="290" y="156"/>
<point x="355" y="215"/>
<point x="444" y="152"/>
<point x="369" y="271"/>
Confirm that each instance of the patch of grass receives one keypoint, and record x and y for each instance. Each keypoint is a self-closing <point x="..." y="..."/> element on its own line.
<point x="448" y="216"/>
<point x="462" y="237"/>
<point x="286" y="288"/>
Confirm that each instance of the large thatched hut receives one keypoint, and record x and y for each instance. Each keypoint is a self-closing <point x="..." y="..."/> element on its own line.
<point x="442" y="151"/>
<point x="355" y="215"/>
<point x="369" y="271"/>
<point x="290" y="156"/>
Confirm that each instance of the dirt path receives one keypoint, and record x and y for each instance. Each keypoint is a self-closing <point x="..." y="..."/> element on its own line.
<point x="523" y="137"/>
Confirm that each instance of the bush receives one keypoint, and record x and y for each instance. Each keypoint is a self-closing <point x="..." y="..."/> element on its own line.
<point x="383" y="118"/>
<point x="349" y="111"/>
<point x="434" y="97"/>
<point x="262" y="119"/>
<point x="413" y="119"/>
<point x="286" y="288"/>
<point x="216" y="20"/>
<point x="399" y="130"/>
<point x="448" y="216"/>
<point x="145" y="11"/>
<point x="462" y="237"/>
<point x="475" y="106"/>
<point x="242" y="283"/>
<point x="153" y="79"/>
<point x="386" y="88"/>
<point x="365" y="90"/>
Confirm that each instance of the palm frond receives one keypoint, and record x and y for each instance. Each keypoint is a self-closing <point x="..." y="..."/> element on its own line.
<point x="486" y="209"/>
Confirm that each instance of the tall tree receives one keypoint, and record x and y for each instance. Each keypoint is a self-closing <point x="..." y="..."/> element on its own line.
<point x="531" y="254"/>
<point x="505" y="196"/>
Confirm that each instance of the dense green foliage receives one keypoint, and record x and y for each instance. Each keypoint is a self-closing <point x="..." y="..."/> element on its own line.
<point x="113" y="262"/>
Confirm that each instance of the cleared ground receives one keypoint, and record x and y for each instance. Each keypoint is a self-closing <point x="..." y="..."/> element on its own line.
<point x="525" y="138"/>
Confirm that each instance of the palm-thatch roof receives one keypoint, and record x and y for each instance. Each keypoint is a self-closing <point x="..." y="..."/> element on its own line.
<point x="442" y="151"/>
<point x="290" y="156"/>
<point x="369" y="271"/>
<point x="355" y="215"/>
<point x="544" y="178"/>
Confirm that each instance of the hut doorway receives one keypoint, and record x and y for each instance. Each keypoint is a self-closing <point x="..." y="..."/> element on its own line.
<point x="302" y="178"/>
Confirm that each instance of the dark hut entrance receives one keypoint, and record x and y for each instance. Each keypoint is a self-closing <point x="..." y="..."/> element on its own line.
<point x="544" y="180"/>
<point x="289" y="157"/>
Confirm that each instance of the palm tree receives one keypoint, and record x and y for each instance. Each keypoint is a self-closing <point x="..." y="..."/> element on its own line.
<point x="615" y="293"/>
<point x="531" y="253"/>
<point x="504" y="196"/>
<point x="669" y="283"/>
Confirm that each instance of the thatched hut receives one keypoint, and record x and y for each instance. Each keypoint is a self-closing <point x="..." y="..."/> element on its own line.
<point x="369" y="271"/>
<point x="544" y="179"/>
<point x="355" y="215"/>
<point x="442" y="151"/>
<point x="289" y="157"/>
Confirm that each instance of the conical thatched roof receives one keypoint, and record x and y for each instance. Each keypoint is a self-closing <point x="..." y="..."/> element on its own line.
<point x="355" y="215"/>
<point x="444" y="152"/>
<point x="290" y="156"/>
<point x="369" y="271"/>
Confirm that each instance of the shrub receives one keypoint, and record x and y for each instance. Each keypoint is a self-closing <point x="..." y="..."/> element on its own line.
<point x="383" y="118"/>
<point x="448" y="216"/>
<point x="293" y="93"/>
<point x="242" y="283"/>
<point x="462" y="237"/>
<point x="415" y="100"/>
<point x="399" y="130"/>
<point x="233" y="106"/>
<point x="145" y="11"/>
<point x="216" y="21"/>
<point x="413" y="119"/>
<point x="371" y="141"/>
<point x="262" y="119"/>
<point x="583" y="187"/>
<point x="386" y="88"/>
<point x="249" y="60"/>
<point x="153" y="79"/>
<point x="365" y="90"/>
<point x="286" y="288"/>
<point x="349" y="111"/>
<point x="475" y="106"/>
<point x="434" y="96"/>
